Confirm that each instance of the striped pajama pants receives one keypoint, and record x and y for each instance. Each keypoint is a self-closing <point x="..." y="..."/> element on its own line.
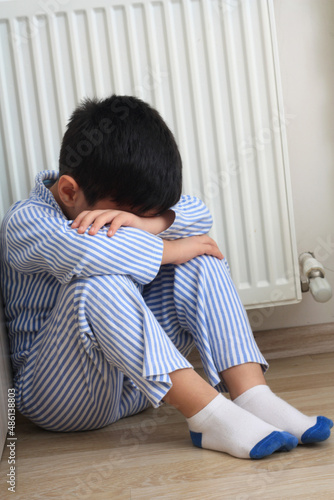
<point x="108" y="347"/>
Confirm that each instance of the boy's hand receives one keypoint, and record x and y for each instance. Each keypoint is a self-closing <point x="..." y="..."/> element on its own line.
<point x="118" y="218"/>
<point x="99" y="218"/>
<point x="182" y="250"/>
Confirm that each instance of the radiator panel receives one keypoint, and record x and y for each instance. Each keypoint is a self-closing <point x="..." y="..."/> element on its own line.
<point x="209" y="66"/>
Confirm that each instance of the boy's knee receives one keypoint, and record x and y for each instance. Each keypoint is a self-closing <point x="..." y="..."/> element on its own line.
<point x="107" y="286"/>
<point x="202" y="270"/>
<point x="206" y="263"/>
<point x="108" y="280"/>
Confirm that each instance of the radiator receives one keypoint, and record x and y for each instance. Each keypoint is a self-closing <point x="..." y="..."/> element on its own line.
<point x="209" y="66"/>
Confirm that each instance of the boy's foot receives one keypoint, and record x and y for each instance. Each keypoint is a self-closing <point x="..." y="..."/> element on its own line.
<point x="263" y="403"/>
<point x="223" y="426"/>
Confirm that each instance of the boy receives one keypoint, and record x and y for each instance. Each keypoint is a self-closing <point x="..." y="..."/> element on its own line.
<point x="101" y="320"/>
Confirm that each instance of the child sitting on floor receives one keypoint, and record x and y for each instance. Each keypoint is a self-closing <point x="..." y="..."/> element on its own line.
<point x="101" y="318"/>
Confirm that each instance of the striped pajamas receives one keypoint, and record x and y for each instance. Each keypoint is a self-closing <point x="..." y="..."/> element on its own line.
<point x="96" y="324"/>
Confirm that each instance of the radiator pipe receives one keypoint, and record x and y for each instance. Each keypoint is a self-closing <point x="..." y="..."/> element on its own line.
<point x="313" y="277"/>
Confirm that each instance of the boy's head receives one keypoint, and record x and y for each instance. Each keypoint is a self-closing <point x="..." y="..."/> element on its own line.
<point x="121" y="149"/>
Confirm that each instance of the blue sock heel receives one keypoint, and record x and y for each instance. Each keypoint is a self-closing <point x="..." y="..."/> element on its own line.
<point x="319" y="432"/>
<point x="196" y="438"/>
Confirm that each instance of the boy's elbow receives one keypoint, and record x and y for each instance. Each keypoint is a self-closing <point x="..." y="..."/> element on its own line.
<point x="207" y="218"/>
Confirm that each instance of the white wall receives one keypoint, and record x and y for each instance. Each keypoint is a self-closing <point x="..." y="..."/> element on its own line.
<point x="305" y="32"/>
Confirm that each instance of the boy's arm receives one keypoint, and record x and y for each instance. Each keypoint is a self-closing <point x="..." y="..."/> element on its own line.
<point x="97" y="219"/>
<point x="189" y="217"/>
<point x="192" y="218"/>
<point x="46" y="243"/>
<point x="184" y="249"/>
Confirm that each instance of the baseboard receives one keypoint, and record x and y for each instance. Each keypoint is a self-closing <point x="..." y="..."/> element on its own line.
<point x="288" y="342"/>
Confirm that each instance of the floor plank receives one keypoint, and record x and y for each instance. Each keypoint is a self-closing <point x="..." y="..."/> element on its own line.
<point x="150" y="456"/>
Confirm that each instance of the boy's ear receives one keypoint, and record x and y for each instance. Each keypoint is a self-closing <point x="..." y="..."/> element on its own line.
<point x="69" y="190"/>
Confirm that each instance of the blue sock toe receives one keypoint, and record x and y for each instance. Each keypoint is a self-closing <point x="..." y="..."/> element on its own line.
<point x="290" y="442"/>
<point x="276" y="441"/>
<point x="319" y="432"/>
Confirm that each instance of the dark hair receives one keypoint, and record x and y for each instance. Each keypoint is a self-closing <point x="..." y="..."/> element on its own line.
<point x="120" y="148"/>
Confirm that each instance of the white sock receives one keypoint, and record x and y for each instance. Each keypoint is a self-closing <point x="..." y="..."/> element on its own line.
<point x="223" y="426"/>
<point x="263" y="403"/>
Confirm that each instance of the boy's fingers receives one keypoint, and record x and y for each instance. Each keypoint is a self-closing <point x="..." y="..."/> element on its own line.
<point x="100" y="221"/>
<point x="118" y="221"/>
<point x="95" y="218"/>
<point x="84" y="220"/>
<point x="209" y="250"/>
<point x="78" y="219"/>
<point x="114" y="226"/>
<point x="212" y="249"/>
<point x="217" y="253"/>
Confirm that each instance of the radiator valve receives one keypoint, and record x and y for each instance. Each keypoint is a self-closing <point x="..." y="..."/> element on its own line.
<point x="312" y="276"/>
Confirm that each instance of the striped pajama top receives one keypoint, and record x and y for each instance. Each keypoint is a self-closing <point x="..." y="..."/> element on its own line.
<point x="40" y="252"/>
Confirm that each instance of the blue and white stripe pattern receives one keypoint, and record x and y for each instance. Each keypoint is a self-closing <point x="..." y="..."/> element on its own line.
<point x="96" y="325"/>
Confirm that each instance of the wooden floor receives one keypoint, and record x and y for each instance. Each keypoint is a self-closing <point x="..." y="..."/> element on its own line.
<point x="150" y="456"/>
